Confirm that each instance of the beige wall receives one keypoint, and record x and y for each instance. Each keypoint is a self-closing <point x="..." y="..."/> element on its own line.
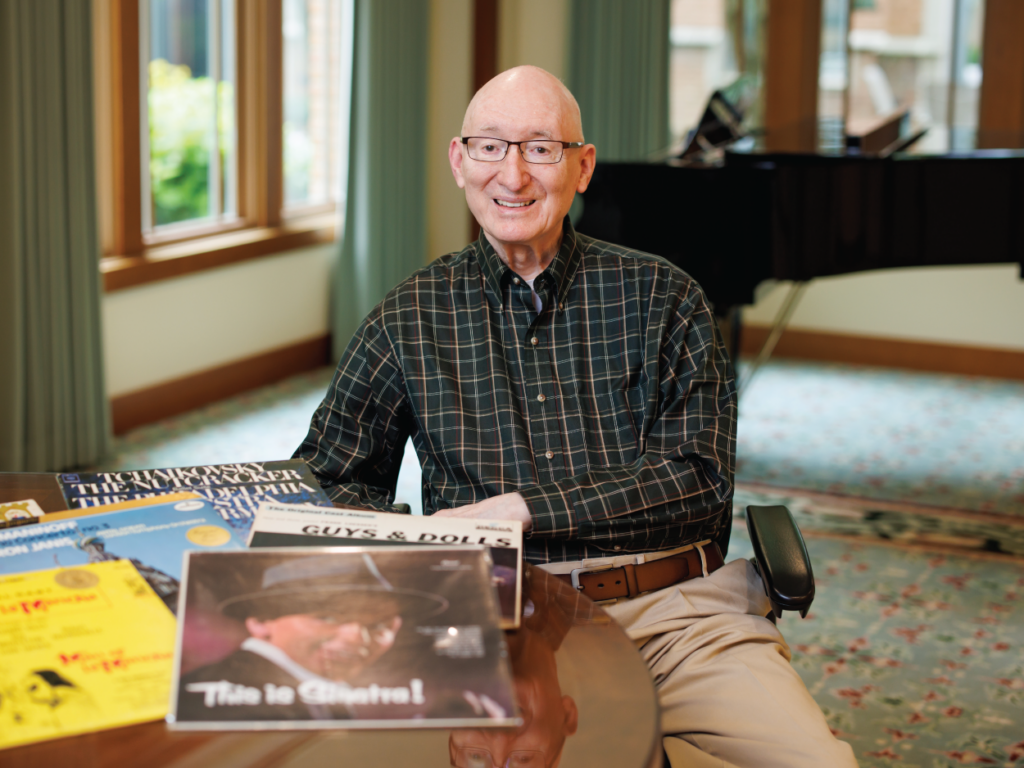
<point x="522" y="39"/>
<point x="971" y="306"/>
<point x="162" y="331"/>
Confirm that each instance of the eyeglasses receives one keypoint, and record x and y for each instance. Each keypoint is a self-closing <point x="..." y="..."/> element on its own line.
<point x="371" y="633"/>
<point x="539" y="151"/>
<point x="475" y="757"/>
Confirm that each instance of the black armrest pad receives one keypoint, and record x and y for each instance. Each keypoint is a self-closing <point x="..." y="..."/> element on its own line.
<point x="782" y="558"/>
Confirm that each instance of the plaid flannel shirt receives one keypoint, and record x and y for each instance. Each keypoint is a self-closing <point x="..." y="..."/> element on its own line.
<point x="612" y="411"/>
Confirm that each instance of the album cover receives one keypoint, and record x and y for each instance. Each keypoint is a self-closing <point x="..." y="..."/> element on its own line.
<point x="235" y="489"/>
<point x="19" y="512"/>
<point x="284" y="525"/>
<point x="340" y="637"/>
<point x="152" y="537"/>
<point x="83" y="648"/>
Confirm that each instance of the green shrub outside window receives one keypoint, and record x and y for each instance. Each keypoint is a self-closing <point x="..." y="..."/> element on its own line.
<point x="180" y="142"/>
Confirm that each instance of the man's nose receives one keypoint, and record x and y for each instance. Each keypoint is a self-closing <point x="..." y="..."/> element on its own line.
<point x="514" y="172"/>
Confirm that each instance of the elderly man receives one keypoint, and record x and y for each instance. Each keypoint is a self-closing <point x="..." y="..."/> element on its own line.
<point x="583" y="389"/>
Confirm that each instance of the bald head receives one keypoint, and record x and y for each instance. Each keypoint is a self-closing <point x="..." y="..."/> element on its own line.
<point x="523" y="90"/>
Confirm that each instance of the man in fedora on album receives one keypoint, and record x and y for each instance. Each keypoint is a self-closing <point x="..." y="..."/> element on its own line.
<point x="314" y="619"/>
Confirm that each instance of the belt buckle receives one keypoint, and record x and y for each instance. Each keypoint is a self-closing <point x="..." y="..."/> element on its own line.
<point x="574" y="574"/>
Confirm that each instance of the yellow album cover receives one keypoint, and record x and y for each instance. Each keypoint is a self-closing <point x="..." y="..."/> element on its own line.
<point x="83" y="649"/>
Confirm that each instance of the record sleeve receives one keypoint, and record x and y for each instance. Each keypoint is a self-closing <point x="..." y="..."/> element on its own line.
<point x="152" y="537"/>
<point x="293" y="525"/>
<point x="83" y="648"/>
<point x="340" y="637"/>
<point x="19" y="511"/>
<point x="236" y="490"/>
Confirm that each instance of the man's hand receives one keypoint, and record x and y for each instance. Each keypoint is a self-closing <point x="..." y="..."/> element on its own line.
<point x="508" y="506"/>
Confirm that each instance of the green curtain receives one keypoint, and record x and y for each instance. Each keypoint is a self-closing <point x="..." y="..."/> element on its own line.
<point x="385" y="236"/>
<point x="618" y="71"/>
<point x="53" y="408"/>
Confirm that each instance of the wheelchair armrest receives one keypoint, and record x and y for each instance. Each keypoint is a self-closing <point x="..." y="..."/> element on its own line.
<point x="781" y="559"/>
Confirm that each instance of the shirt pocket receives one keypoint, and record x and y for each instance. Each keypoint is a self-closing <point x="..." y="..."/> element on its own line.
<point x="612" y="422"/>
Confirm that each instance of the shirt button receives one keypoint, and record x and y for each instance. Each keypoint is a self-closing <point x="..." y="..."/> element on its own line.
<point x="516" y="281"/>
<point x="535" y="341"/>
<point x="559" y="306"/>
<point x="549" y="455"/>
<point x="541" y="398"/>
<point x="616" y="548"/>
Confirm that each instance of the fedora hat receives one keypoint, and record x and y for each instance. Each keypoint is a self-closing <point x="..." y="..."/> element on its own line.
<point x="337" y="582"/>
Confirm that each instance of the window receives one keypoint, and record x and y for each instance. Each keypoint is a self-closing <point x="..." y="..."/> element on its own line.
<point x="189" y="140"/>
<point x="713" y="44"/>
<point x="220" y="129"/>
<point x="312" y="102"/>
<point x="889" y="55"/>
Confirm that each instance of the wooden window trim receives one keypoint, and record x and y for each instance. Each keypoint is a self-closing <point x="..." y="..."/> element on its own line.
<point x="793" y="42"/>
<point x="1001" y="102"/>
<point x="260" y="229"/>
<point x="172" y="260"/>
<point x="485" y="61"/>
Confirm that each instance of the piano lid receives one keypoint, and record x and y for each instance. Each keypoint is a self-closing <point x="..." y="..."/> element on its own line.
<point x="725" y="124"/>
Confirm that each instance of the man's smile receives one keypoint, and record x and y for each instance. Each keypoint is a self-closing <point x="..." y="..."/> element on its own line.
<point x="510" y="204"/>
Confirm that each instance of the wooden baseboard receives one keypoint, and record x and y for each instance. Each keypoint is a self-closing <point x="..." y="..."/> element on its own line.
<point x="890" y="353"/>
<point x="172" y="398"/>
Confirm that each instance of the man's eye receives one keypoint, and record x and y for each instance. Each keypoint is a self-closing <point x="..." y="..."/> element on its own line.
<point x="538" y="149"/>
<point x="489" y="148"/>
<point x="475" y="758"/>
<point x="524" y="759"/>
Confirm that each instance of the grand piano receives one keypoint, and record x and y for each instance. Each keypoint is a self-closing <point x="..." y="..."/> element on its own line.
<point x="733" y="214"/>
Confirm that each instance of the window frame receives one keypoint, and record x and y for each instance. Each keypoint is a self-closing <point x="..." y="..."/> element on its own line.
<point x="262" y="227"/>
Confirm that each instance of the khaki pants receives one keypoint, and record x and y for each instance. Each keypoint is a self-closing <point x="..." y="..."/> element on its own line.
<point x="729" y="696"/>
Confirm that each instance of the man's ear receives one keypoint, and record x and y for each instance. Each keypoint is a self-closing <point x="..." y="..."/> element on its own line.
<point x="257" y="628"/>
<point x="572" y="715"/>
<point x="588" y="159"/>
<point x="455" y="160"/>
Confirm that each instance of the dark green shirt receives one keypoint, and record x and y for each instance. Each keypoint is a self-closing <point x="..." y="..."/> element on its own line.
<point x="612" y="411"/>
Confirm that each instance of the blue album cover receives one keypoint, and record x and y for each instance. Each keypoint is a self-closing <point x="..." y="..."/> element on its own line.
<point x="153" y="538"/>
<point x="236" y="490"/>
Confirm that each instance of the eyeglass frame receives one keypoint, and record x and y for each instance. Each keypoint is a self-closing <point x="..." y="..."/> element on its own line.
<point x="565" y="145"/>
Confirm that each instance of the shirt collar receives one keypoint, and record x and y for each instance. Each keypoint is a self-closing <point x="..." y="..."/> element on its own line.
<point x="561" y="270"/>
<point x="276" y="656"/>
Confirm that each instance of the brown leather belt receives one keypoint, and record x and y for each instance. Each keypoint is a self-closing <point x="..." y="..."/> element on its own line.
<point x="631" y="580"/>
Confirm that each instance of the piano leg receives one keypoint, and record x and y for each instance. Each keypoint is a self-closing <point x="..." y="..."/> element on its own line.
<point x="796" y="292"/>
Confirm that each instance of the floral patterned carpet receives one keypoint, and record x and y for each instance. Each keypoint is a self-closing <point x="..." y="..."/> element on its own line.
<point x="915" y="657"/>
<point x="910" y="490"/>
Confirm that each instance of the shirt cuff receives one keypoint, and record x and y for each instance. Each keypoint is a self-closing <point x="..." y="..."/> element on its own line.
<point x="553" y="510"/>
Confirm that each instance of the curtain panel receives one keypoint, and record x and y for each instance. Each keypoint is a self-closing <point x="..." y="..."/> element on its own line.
<point x="618" y="71"/>
<point x="385" y="238"/>
<point x="53" y="407"/>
